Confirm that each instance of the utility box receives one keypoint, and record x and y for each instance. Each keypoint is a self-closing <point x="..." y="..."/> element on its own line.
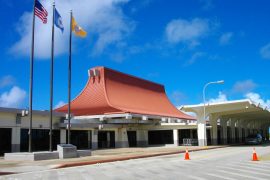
<point x="67" y="151"/>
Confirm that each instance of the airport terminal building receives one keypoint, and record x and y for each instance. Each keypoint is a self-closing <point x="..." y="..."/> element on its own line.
<point x="113" y="110"/>
<point x="117" y="110"/>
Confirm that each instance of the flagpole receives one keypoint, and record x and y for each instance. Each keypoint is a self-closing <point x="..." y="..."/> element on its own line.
<point x="69" y="76"/>
<point x="51" y="83"/>
<point x="31" y="82"/>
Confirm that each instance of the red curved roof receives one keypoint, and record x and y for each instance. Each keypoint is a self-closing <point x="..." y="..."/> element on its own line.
<point x="112" y="92"/>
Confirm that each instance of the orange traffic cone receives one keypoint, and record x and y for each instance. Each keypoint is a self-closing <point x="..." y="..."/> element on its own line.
<point x="187" y="155"/>
<point x="254" y="157"/>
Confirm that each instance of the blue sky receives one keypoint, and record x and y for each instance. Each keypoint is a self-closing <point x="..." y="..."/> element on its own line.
<point x="181" y="44"/>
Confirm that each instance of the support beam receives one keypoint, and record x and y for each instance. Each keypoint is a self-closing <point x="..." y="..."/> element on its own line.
<point x="94" y="139"/>
<point x="223" y="123"/>
<point x="16" y="139"/>
<point x="202" y="139"/>
<point x="63" y="136"/>
<point x="121" y="138"/>
<point x="214" y="131"/>
<point x="175" y="137"/>
<point x="201" y="129"/>
<point x="244" y="129"/>
<point x="142" y="138"/>
<point x="240" y="133"/>
<point x="232" y="125"/>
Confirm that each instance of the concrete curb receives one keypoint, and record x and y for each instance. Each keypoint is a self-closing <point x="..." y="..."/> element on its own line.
<point x="128" y="158"/>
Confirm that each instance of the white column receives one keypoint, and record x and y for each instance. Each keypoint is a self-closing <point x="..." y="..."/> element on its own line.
<point x="265" y="130"/>
<point x="202" y="139"/>
<point x="266" y="133"/>
<point x="63" y="136"/>
<point x="16" y="139"/>
<point x="142" y="138"/>
<point x="253" y="127"/>
<point x="232" y="125"/>
<point x="244" y="125"/>
<point x="256" y="127"/>
<point x="94" y="139"/>
<point x="239" y="125"/>
<point x="175" y="137"/>
<point x="191" y="134"/>
<point x="121" y="138"/>
<point x="201" y="129"/>
<point x="223" y="123"/>
<point x="213" y="130"/>
<point x="246" y="128"/>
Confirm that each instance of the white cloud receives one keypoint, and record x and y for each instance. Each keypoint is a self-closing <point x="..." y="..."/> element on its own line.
<point x="13" y="98"/>
<point x="139" y="5"/>
<point x="255" y="97"/>
<point x="194" y="58"/>
<point x="59" y="104"/>
<point x="221" y="98"/>
<point x="103" y="18"/>
<point x="7" y="81"/>
<point x="225" y="38"/>
<point x="244" y="86"/>
<point x="190" y="113"/>
<point x="181" y="30"/>
<point x="178" y="97"/>
<point x="207" y="4"/>
<point x="265" y="51"/>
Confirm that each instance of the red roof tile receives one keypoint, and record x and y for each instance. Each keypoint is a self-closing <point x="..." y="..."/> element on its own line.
<point x="115" y="92"/>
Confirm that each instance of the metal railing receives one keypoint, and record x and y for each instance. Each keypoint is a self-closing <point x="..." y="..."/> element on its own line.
<point x="190" y="142"/>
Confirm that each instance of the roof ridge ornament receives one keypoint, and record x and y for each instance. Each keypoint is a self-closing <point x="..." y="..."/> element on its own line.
<point x="94" y="73"/>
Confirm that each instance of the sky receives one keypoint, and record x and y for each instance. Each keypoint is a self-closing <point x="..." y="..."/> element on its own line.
<point x="182" y="44"/>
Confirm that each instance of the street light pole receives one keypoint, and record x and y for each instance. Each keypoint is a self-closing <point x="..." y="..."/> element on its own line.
<point x="204" y="88"/>
<point x="202" y="124"/>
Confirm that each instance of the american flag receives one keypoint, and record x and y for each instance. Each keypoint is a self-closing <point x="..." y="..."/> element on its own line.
<point x="41" y="12"/>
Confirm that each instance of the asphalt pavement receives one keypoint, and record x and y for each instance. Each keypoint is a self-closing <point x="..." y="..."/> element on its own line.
<point x="98" y="156"/>
<point x="225" y="163"/>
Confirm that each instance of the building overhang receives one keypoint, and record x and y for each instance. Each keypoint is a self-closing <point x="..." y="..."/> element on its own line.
<point x="94" y="121"/>
<point x="241" y="109"/>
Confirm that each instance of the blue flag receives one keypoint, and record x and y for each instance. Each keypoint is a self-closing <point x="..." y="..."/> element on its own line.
<point x="58" y="21"/>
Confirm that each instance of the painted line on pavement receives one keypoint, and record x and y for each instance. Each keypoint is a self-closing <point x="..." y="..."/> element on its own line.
<point x="248" y="167"/>
<point x="214" y="155"/>
<point x="222" y="177"/>
<point x="241" y="175"/>
<point x="245" y="171"/>
<point x="264" y="162"/>
<point x="196" y="177"/>
<point x="253" y="163"/>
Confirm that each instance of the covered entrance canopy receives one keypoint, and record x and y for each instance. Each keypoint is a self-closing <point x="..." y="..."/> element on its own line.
<point x="120" y="98"/>
<point x="241" y="117"/>
<point x="126" y="105"/>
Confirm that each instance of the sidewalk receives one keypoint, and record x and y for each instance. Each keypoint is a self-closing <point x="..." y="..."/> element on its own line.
<point x="98" y="156"/>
